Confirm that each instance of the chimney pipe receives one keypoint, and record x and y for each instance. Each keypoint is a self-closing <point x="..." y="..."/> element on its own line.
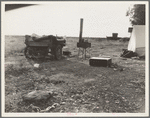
<point x="81" y="28"/>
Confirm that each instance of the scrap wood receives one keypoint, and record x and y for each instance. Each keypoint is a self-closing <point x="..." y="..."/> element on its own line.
<point x="37" y="109"/>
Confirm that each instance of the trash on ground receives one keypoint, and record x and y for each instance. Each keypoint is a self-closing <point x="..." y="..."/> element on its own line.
<point x="34" y="108"/>
<point x="67" y="53"/>
<point x="128" y="54"/>
<point x="36" y="65"/>
<point x="114" y="65"/>
<point x="37" y="109"/>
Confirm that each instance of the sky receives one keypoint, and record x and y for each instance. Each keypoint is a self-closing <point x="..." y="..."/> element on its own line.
<point x="100" y="19"/>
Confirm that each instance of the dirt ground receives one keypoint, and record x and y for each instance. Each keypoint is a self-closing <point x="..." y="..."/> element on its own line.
<point x="80" y="87"/>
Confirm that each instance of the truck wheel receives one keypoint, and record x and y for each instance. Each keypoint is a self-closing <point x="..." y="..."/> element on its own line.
<point x="58" y="52"/>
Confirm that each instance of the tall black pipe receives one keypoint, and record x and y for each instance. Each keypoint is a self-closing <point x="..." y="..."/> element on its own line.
<point x="81" y="28"/>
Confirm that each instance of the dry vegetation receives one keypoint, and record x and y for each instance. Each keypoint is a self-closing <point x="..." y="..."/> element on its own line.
<point x="79" y="87"/>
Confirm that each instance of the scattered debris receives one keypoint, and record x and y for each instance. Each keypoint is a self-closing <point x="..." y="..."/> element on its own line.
<point x="80" y="78"/>
<point x="67" y="53"/>
<point x="128" y="54"/>
<point x="37" y="109"/>
<point x="36" y="65"/>
<point x="34" y="108"/>
<point x="114" y="65"/>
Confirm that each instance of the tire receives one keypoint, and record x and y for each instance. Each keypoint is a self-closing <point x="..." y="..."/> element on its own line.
<point x="58" y="52"/>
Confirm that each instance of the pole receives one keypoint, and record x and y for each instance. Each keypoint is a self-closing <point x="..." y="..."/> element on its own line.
<point x="81" y="28"/>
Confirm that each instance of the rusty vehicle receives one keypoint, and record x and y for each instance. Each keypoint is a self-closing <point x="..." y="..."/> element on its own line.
<point x="40" y="47"/>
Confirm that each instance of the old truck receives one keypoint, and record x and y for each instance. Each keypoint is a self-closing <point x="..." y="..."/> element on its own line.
<point x="40" y="47"/>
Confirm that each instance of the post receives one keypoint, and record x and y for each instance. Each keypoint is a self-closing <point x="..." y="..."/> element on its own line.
<point x="81" y="28"/>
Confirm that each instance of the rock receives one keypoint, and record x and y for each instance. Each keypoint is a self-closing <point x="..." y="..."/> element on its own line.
<point x="37" y="95"/>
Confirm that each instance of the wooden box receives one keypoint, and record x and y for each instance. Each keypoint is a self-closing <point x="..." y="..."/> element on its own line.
<point x="100" y="61"/>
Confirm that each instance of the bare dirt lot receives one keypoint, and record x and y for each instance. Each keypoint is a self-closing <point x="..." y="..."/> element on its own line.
<point x="79" y="87"/>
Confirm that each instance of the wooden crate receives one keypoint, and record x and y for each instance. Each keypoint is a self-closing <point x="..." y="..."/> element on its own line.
<point x="99" y="61"/>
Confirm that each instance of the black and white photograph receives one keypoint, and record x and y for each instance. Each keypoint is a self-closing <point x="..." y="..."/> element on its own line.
<point x="74" y="58"/>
